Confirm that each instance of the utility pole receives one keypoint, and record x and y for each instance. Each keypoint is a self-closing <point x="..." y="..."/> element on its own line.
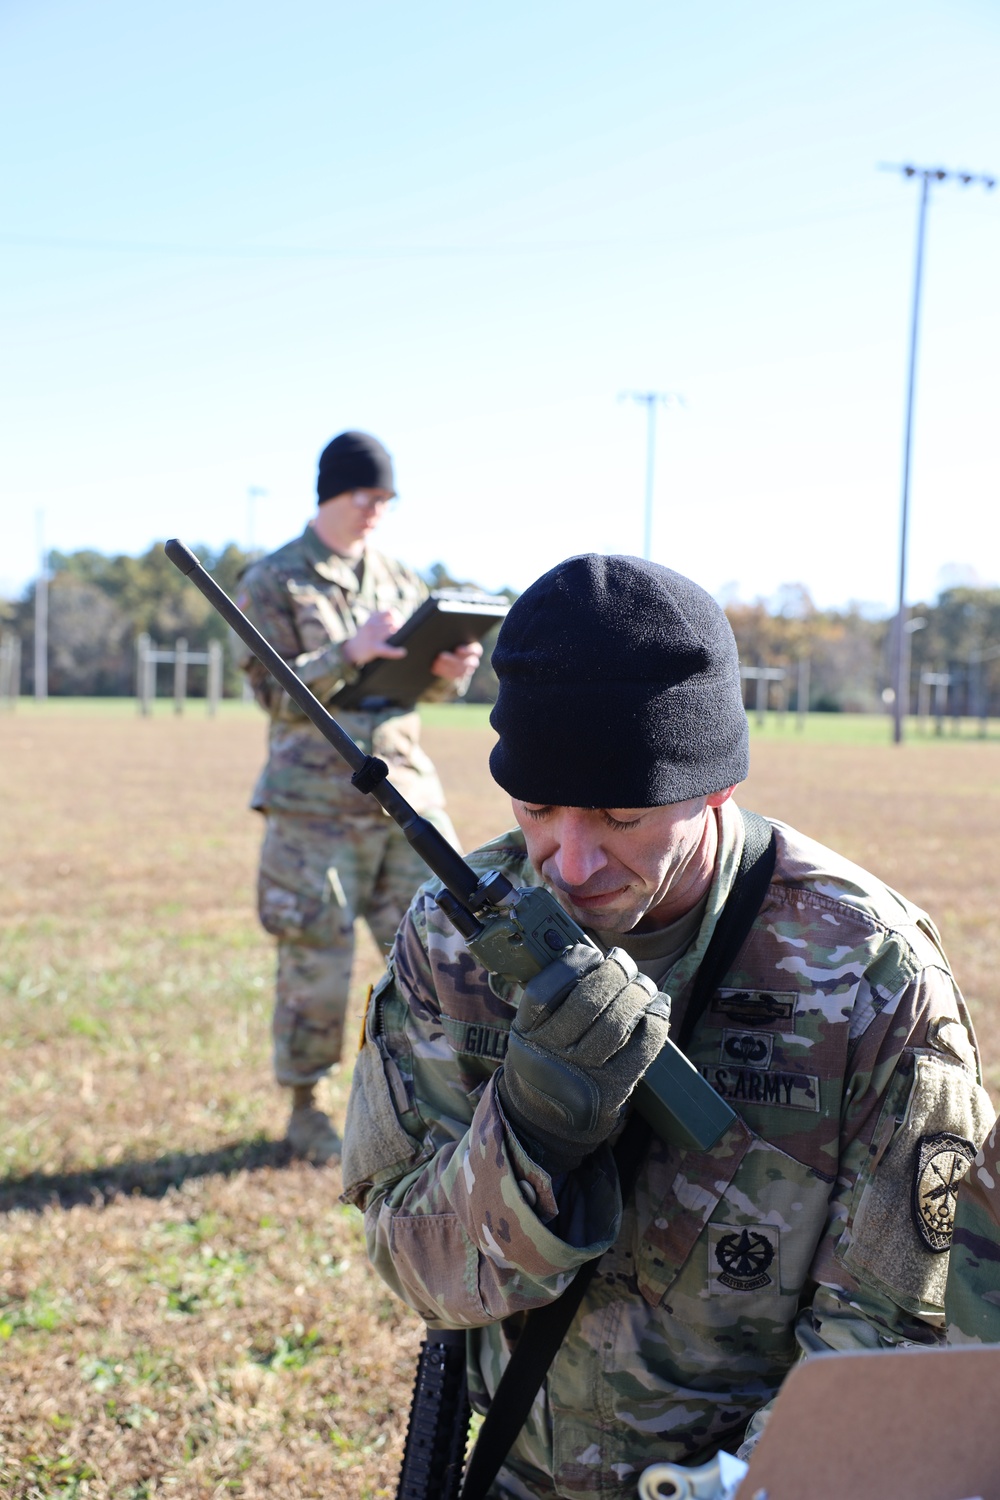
<point x="41" y="614"/>
<point x="927" y="176"/>
<point x="650" y="400"/>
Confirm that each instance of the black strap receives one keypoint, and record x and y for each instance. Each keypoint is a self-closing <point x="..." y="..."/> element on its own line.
<point x="544" y="1331"/>
<point x="546" y="1327"/>
<point x="735" y="920"/>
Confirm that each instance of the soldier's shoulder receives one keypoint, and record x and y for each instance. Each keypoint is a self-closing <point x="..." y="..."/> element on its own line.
<point x="284" y="562"/>
<point x="830" y="890"/>
<point x="506" y="853"/>
<point x="407" y="579"/>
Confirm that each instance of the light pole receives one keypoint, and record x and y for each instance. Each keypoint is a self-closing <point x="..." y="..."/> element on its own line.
<point x="927" y="176"/>
<point x="650" y="400"/>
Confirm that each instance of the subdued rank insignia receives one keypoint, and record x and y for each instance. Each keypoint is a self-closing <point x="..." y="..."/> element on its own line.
<point x="742" y="1259"/>
<point x="752" y="1049"/>
<point x="942" y="1162"/>
<point x="756" y="1007"/>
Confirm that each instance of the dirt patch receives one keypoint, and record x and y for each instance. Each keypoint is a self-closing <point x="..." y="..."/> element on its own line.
<point x="182" y="1311"/>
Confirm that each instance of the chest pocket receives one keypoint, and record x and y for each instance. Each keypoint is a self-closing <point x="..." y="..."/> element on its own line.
<point x="674" y="1199"/>
<point x="738" y="1223"/>
<point x="317" y="619"/>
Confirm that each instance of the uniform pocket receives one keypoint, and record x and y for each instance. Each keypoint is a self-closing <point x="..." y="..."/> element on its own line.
<point x="298" y="893"/>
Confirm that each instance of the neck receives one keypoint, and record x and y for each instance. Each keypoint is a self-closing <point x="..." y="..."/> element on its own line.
<point x="331" y="531"/>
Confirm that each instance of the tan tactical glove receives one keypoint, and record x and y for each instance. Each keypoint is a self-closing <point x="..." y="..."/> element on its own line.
<point x="586" y="1030"/>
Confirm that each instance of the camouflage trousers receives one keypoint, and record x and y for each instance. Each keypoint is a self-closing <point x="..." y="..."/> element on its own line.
<point x="317" y="877"/>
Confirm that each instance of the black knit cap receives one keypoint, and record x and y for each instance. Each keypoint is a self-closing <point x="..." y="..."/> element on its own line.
<point x="619" y="687"/>
<point x="353" y="461"/>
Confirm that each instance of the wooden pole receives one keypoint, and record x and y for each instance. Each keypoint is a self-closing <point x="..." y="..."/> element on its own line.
<point x="180" y="674"/>
<point x="761" y="699"/>
<point x="142" y="673"/>
<point x="214" y="677"/>
<point x="802" y="695"/>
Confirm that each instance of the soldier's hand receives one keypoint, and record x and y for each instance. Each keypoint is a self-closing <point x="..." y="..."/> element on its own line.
<point x="371" y="640"/>
<point x="458" y="665"/>
<point x="586" y="1030"/>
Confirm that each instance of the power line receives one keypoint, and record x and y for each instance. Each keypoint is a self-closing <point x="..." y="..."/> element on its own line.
<point x="927" y="176"/>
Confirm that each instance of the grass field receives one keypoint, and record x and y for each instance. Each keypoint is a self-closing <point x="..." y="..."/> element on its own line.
<point x="183" y="1312"/>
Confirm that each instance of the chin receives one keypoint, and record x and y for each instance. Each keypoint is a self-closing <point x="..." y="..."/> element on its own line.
<point x="610" y="919"/>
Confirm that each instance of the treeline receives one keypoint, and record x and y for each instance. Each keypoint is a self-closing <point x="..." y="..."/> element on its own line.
<point x="850" y="652"/>
<point x="98" y="605"/>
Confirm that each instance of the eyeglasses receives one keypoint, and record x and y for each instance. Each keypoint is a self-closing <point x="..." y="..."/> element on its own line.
<point x="371" y="499"/>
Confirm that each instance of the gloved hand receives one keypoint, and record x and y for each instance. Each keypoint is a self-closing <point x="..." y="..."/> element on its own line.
<point x="586" y="1030"/>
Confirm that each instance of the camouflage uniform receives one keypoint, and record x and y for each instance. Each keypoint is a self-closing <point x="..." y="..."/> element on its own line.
<point x="330" y="855"/>
<point x="845" y="1047"/>
<point x="972" y="1293"/>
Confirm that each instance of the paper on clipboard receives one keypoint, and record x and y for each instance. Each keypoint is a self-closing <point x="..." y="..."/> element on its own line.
<point x="919" y="1423"/>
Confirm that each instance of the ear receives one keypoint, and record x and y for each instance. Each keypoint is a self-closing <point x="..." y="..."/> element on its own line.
<point x="716" y="799"/>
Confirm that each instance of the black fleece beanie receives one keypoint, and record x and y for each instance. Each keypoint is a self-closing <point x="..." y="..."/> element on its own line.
<point x="619" y="687"/>
<point x="353" y="461"/>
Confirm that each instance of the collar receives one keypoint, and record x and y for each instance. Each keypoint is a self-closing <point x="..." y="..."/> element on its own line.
<point x="330" y="565"/>
<point x="727" y="861"/>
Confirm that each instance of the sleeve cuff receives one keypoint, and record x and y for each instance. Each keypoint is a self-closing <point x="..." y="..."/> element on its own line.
<point x="501" y="1180"/>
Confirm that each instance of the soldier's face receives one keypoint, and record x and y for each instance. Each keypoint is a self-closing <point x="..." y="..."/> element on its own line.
<point x="346" y="521"/>
<point x="614" y="868"/>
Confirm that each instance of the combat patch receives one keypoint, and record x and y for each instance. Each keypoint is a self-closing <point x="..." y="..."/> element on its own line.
<point x="743" y="1259"/>
<point x="942" y="1161"/>
<point x="760" y="1086"/>
<point x="750" y="1049"/>
<point x="756" y="1007"/>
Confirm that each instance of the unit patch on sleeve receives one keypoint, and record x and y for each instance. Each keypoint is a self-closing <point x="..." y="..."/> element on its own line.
<point x="751" y="1049"/>
<point x="942" y="1162"/>
<point x="756" y="1007"/>
<point x="743" y="1258"/>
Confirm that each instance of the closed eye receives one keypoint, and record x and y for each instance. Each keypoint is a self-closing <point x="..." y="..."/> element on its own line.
<point x="619" y="823"/>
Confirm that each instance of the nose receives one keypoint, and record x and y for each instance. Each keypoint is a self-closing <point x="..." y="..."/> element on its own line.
<point x="579" y="856"/>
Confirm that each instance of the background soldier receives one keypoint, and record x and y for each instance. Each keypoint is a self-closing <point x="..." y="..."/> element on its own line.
<point x="479" y="1127"/>
<point x="328" y="602"/>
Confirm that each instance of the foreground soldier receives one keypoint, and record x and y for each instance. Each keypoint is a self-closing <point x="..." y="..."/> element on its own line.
<point x="327" y="602"/>
<point x="838" y="1035"/>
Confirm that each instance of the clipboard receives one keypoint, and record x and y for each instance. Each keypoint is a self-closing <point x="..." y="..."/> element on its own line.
<point x="448" y="618"/>
<point x="880" y="1425"/>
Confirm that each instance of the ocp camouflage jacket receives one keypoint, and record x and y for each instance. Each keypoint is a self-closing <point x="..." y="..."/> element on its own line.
<point x="818" y="1221"/>
<point x="306" y="601"/>
<point x="972" y="1295"/>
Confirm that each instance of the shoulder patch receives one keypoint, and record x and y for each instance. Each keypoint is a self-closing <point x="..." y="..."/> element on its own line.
<point x="942" y="1161"/>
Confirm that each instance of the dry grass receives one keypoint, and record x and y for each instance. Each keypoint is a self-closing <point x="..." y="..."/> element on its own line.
<point x="183" y="1312"/>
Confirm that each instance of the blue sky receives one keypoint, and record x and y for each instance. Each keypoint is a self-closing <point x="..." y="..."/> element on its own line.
<point x="230" y="231"/>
